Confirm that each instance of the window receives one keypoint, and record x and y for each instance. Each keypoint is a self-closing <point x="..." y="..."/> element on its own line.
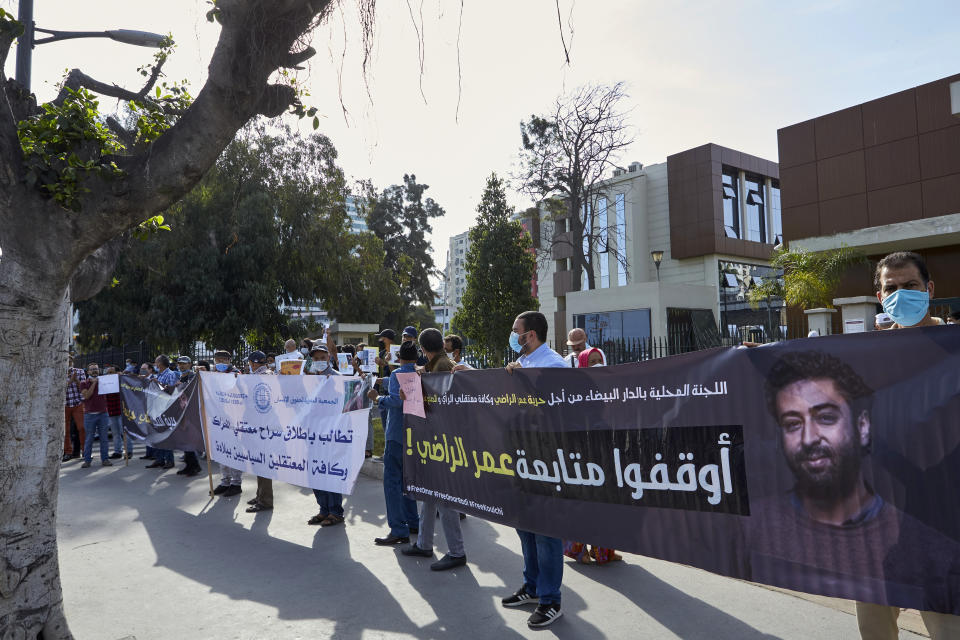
<point x="753" y="207"/>
<point x="621" y="238"/>
<point x="776" y="222"/>
<point x="585" y="279"/>
<point x="614" y="325"/>
<point x="603" y="256"/>
<point x="731" y="202"/>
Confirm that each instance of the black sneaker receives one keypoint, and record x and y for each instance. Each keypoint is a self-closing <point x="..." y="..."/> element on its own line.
<point x="414" y="550"/>
<point x="220" y="489"/>
<point x="232" y="490"/>
<point x="520" y="598"/>
<point x="116" y="456"/>
<point x="544" y="616"/>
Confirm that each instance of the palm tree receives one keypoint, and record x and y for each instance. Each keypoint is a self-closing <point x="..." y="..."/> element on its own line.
<point x="809" y="278"/>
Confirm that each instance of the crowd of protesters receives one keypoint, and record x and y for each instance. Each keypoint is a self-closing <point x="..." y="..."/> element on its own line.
<point x="904" y="288"/>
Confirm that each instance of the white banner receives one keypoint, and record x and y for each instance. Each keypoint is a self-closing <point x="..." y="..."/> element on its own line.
<point x="309" y="431"/>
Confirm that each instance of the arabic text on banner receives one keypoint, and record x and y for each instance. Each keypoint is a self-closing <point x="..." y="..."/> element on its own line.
<point x="308" y="431"/>
<point x="823" y="465"/>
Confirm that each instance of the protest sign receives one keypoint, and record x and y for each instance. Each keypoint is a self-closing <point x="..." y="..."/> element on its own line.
<point x="291" y="367"/>
<point x="814" y="465"/>
<point x="394" y="354"/>
<point x="305" y="430"/>
<point x="161" y="419"/>
<point x="345" y="362"/>
<point x="368" y="359"/>
<point x="413" y="402"/>
<point x="293" y="356"/>
<point x="109" y="383"/>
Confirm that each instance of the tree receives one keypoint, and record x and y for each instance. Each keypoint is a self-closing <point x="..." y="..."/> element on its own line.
<point x="809" y="279"/>
<point x="400" y="218"/>
<point x="72" y="183"/>
<point x="266" y="226"/>
<point x="500" y="265"/>
<point x="565" y="157"/>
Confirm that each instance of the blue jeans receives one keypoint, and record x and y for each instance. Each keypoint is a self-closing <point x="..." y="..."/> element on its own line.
<point x="96" y="423"/>
<point x="330" y="502"/>
<point x="542" y="566"/>
<point x="116" y="428"/>
<point x="163" y="455"/>
<point x="401" y="510"/>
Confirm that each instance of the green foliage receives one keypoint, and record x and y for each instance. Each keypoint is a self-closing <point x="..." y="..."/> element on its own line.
<point x="266" y="227"/>
<point x="400" y="218"/>
<point x="65" y="144"/>
<point x="10" y="25"/>
<point x="809" y="279"/>
<point x="500" y="267"/>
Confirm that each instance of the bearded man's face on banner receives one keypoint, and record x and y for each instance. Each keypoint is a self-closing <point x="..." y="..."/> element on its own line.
<point x="822" y="439"/>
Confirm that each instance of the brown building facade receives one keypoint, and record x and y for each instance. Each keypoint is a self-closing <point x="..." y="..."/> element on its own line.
<point x="881" y="176"/>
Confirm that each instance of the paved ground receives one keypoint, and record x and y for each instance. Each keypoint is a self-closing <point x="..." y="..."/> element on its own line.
<point x="149" y="555"/>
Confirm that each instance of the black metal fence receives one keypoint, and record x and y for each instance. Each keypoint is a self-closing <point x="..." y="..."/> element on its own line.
<point x="142" y="352"/>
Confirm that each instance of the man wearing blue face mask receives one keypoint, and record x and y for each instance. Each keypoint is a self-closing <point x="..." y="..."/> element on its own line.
<point x="904" y="289"/>
<point x="229" y="477"/>
<point x="542" y="555"/>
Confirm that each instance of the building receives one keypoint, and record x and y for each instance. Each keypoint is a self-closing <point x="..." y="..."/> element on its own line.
<point x="455" y="273"/>
<point x="880" y="176"/>
<point x="358" y="219"/>
<point x="711" y="215"/>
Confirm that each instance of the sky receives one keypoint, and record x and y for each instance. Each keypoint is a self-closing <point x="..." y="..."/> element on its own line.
<point x="731" y="73"/>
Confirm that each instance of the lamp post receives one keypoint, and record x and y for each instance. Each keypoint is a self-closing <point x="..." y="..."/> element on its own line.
<point x="26" y="42"/>
<point x="657" y="259"/>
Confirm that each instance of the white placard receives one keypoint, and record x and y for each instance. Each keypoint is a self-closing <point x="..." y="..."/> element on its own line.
<point x="309" y="431"/>
<point x="854" y="326"/>
<point x="109" y="383"/>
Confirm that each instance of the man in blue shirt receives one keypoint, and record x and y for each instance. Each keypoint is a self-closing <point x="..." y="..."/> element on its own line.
<point x="401" y="511"/>
<point x="542" y="555"/>
<point x="168" y="379"/>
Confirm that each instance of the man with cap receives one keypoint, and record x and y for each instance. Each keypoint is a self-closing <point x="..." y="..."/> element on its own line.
<point x="263" y="501"/>
<point x="577" y="341"/>
<point x="192" y="467"/>
<point x="402" y="516"/>
<point x="320" y="361"/>
<point x="229" y="477"/>
<point x="410" y="335"/>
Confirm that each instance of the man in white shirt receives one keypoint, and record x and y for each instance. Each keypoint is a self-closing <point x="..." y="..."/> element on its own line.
<point x="577" y="341"/>
<point x="542" y="555"/>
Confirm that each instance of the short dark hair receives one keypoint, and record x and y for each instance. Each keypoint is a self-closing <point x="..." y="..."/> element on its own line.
<point x="308" y="342"/>
<point x="349" y="348"/>
<point x="162" y="359"/>
<point x="536" y="322"/>
<point x="431" y="340"/>
<point x="813" y="365"/>
<point x="203" y="364"/>
<point x="455" y="341"/>
<point x="901" y="259"/>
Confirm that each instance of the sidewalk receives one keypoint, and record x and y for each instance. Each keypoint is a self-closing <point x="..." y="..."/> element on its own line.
<point x="150" y="555"/>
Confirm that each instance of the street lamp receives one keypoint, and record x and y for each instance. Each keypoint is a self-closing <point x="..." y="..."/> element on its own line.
<point x="27" y="42"/>
<point x="657" y="259"/>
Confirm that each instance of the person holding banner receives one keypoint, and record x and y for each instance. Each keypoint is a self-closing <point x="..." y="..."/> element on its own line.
<point x="904" y="289"/>
<point x="330" y="502"/>
<point x="542" y="555"/>
<point x="166" y="378"/>
<point x="263" y="501"/>
<point x="95" y="419"/>
<point x="431" y="341"/>
<point x="402" y="516"/>
<point x="230" y="478"/>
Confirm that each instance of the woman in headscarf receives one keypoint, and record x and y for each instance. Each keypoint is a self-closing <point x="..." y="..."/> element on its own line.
<point x="592" y="357"/>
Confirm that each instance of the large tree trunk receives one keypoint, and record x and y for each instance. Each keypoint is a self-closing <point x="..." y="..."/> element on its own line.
<point x="33" y="357"/>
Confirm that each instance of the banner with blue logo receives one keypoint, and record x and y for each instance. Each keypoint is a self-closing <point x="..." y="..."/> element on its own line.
<point x="309" y="431"/>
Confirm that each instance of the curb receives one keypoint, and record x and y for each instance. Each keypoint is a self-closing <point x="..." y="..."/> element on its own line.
<point x="372" y="468"/>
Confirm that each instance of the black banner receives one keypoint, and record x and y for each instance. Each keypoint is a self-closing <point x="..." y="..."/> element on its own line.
<point x="827" y="465"/>
<point x="162" y="419"/>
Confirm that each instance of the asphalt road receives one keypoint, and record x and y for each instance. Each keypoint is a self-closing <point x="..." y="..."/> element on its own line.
<point x="150" y="555"/>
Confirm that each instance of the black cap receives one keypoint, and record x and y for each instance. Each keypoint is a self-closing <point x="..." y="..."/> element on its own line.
<point x="408" y="351"/>
<point x="389" y="334"/>
<point x="257" y="357"/>
<point x="410" y="331"/>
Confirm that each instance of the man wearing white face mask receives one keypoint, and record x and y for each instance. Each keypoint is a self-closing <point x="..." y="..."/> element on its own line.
<point x="904" y="289"/>
<point x="230" y="478"/>
<point x="542" y="555"/>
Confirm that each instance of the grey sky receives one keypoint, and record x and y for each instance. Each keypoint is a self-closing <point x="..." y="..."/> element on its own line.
<point x="697" y="72"/>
